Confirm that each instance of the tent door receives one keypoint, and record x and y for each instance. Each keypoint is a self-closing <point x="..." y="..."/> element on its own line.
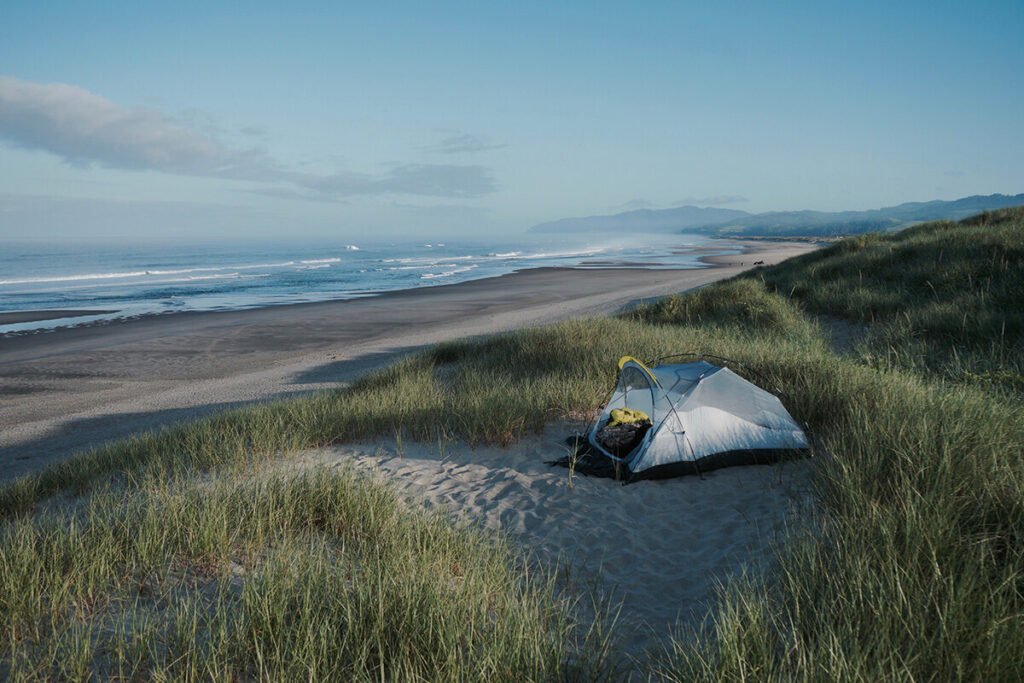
<point x="636" y="384"/>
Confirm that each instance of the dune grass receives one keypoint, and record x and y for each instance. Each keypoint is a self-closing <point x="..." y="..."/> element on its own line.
<point x="911" y="569"/>
<point x="941" y="297"/>
<point x="914" y="569"/>
<point x="321" y="576"/>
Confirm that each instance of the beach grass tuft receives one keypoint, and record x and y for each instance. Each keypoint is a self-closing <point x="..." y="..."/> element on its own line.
<point x="318" y="576"/>
<point x="939" y="298"/>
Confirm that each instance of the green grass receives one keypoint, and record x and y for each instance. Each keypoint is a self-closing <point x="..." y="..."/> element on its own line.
<point x="914" y="568"/>
<point x="315" y="577"/>
<point x="941" y="298"/>
<point x="183" y="555"/>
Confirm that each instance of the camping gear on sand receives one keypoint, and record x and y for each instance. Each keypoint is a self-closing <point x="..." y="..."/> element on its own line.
<point x="701" y="417"/>
<point x="626" y="416"/>
<point x="624" y="430"/>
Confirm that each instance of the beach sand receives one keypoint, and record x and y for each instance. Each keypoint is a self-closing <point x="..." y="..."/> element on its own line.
<point x="659" y="549"/>
<point x="49" y="314"/>
<point x="71" y="389"/>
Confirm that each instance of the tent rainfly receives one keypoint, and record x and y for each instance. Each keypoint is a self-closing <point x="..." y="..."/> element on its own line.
<point x="702" y="417"/>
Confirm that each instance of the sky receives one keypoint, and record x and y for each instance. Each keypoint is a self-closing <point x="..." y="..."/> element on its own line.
<point x="346" y="120"/>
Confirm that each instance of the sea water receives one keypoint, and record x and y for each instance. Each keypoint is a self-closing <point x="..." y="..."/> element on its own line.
<point x="131" y="281"/>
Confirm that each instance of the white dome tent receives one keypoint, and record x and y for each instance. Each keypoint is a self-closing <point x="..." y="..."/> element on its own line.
<point x="702" y="417"/>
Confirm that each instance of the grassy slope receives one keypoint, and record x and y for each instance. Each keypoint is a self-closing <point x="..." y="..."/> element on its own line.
<point x="913" y="570"/>
<point x="943" y="297"/>
<point x="319" y="577"/>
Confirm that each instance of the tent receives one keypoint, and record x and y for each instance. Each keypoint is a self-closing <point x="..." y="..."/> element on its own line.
<point x="702" y="417"/>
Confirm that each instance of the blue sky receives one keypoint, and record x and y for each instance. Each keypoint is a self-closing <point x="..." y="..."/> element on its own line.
<point x="182" y="121"/>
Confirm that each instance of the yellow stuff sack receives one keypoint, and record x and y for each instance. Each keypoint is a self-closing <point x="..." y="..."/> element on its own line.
<point x="627" y="416"/>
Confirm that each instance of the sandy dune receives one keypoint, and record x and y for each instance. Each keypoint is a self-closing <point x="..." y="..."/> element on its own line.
<point x="659" y="547"/>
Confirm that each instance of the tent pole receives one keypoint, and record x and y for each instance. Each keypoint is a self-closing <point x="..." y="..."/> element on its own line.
<point x="679" y="420"/>
<point x="696" y="464"/>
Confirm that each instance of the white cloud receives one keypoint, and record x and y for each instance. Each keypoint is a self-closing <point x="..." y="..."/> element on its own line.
<point x="86" y="129"/>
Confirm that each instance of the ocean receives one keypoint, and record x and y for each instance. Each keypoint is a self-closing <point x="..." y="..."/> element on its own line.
<point x="133" y="281"/>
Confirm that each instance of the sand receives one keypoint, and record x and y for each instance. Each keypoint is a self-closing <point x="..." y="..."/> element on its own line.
<point x="50" y="314"/>
<point x="659" y="548"/>
<point x="75" y="388"/>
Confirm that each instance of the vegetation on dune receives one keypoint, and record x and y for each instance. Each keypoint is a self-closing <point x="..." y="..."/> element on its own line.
<point x="914" y="568"/>
<point x="737" y="304"/>
<point x="911" y="569"/>
<point x="316" y="577"/>
<point x="940" y="298"/>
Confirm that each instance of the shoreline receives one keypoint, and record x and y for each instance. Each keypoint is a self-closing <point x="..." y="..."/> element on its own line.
<point x="39" y="315"/>
<point x="707" y="260"/>
<point x="79" y="387"/>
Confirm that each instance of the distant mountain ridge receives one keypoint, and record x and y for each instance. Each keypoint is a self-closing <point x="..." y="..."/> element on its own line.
<point x="731" y="222"/>
<point x="647" y="220"/>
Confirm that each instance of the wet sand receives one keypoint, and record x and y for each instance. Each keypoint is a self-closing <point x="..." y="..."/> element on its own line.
<point x="71" y="389"/>
<point x="14" y="317"/>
